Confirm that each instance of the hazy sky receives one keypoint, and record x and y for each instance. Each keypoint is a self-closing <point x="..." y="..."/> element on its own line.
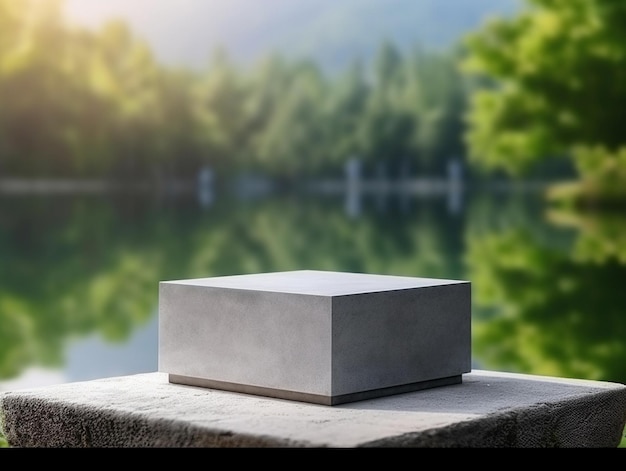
<point x="187" y="31"/>
<point x="179" y="30"/>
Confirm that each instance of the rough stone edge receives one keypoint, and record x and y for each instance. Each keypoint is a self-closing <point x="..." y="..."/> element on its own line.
<point x="511" y="429"/>
<point x="54" y="424"/>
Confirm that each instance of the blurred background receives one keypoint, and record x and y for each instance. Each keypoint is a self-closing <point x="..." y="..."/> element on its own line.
<point x="152" y="140"/>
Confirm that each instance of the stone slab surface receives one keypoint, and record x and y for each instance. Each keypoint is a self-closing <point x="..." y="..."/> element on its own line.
<point x="489" y="409"/>
<point x="317" y="336"/>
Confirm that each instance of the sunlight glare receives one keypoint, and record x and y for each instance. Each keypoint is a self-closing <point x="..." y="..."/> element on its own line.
<point x="93" y="13"/>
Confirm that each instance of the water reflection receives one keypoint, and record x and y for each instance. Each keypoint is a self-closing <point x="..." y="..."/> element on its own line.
<point x="79" y="278"/>
<point x="549" y="304"/>
<point x="403" y="189"/>
<point x="206" y="187"/>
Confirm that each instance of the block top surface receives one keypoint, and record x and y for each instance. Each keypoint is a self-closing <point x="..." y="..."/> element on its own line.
<point x="318" y="283"/>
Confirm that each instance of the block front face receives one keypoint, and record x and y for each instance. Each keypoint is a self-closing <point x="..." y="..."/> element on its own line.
<point x="262" y="339"/>
<point x="387" y="339"/>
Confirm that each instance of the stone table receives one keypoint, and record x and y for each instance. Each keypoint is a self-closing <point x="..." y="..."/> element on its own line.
<point x="488" y="409"/>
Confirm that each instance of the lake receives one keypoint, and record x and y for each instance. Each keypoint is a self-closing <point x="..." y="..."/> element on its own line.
<point x="79" y="273"/>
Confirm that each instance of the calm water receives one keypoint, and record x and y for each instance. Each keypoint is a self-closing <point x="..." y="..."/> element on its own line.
<point x="79" y="274"/>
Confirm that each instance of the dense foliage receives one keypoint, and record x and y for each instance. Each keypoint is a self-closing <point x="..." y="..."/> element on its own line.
<point x="555" y="80"/>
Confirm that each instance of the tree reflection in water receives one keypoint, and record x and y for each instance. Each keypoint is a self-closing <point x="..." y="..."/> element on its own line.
<point x="553" y="301"/>
<point x="548" y="298"/>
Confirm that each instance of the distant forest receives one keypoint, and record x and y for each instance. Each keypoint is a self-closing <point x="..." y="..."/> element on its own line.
<point x="540" y="93"/>
<point x="82" y="103"/>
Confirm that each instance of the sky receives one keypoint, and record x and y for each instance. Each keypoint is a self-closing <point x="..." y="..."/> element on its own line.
<point x="186" y="32"/>
<point x="179" y="30"/>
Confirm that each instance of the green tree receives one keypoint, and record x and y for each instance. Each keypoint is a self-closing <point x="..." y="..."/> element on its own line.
<point x="266" y="84"/>
<point x="294" y="141"/>
<point x="557" y="75"/>
<point x="388" y="123"/>
<point x="346" y="105"/>
<point x="436" y="93"/>
<point x="74" y="102"/>
<point x="223" y="95"/>
<point x="183" y="129"/>
<point x="33" y="88"/>
<point x="125" y="74"/>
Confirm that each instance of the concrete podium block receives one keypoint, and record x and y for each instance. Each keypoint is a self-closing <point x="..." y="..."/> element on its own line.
<point x="315" y="336"/>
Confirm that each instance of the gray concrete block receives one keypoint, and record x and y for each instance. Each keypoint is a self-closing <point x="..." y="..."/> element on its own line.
<point x="315" y="336"/>
<point x="487" y="410"/>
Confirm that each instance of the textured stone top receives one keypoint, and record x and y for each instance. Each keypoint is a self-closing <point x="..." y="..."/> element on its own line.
<point x="490" y="409"/>
<point x="315" y="282"/>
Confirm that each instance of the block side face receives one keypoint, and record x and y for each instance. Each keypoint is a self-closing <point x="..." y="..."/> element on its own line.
<point x="267" y="340"/>
<point x="387" y="339"/>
